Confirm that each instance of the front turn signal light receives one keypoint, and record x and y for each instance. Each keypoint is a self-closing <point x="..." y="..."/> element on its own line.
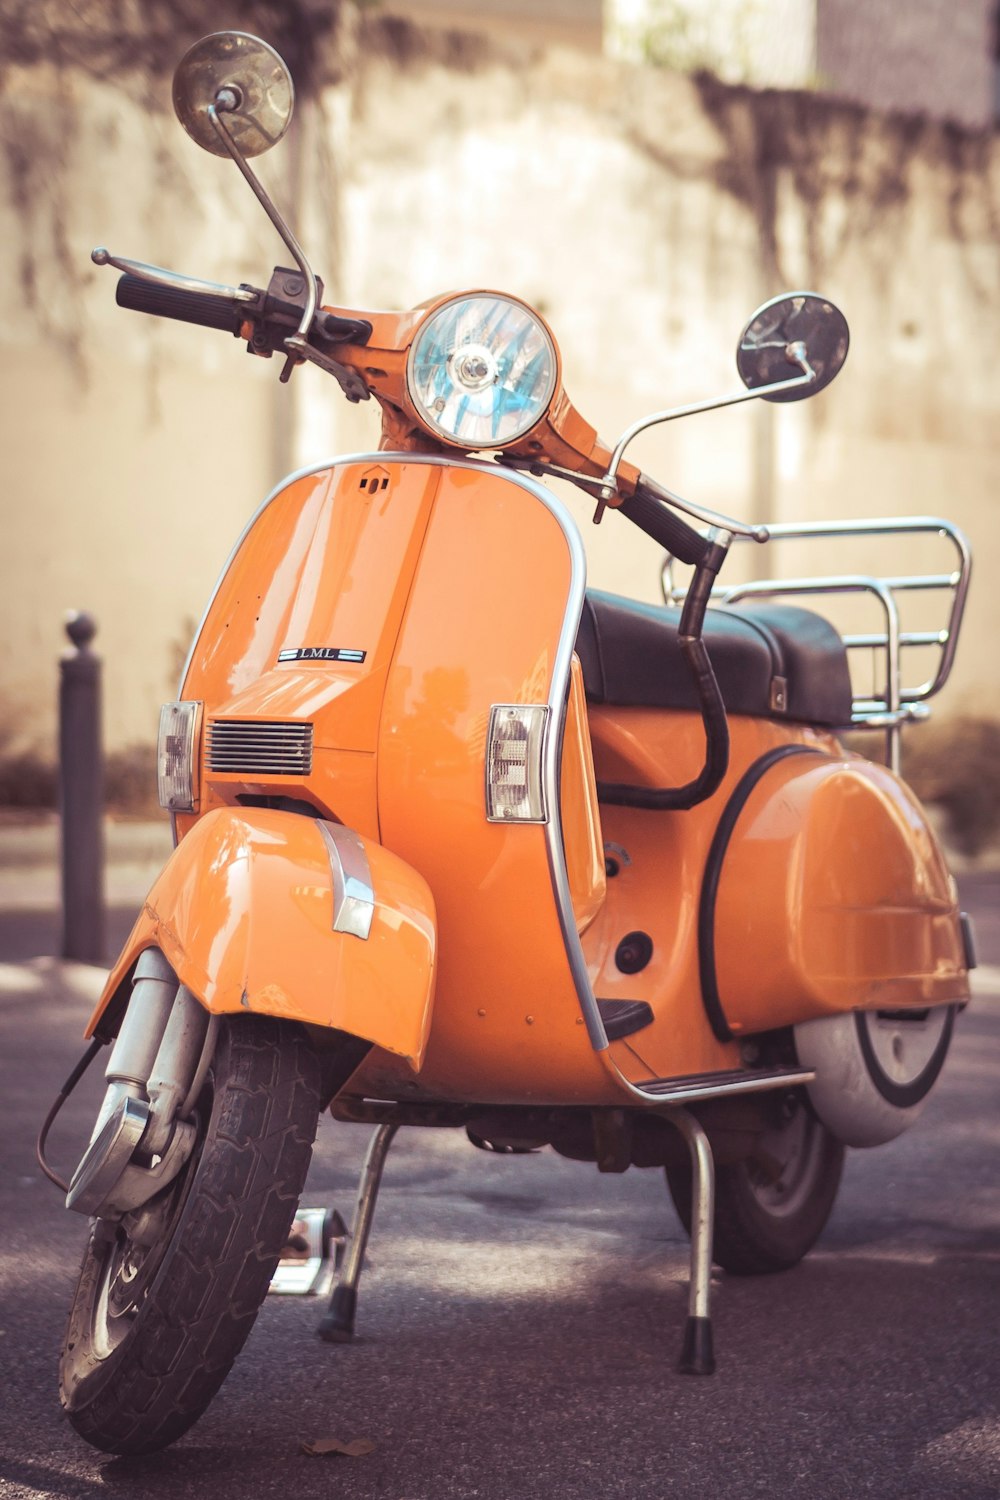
<point x="176" y="746"/>
<point x="515" y="791"/>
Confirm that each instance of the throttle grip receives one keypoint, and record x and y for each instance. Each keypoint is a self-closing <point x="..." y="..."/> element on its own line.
<point x="203" y="308"/>
<point x="655" y="518"/>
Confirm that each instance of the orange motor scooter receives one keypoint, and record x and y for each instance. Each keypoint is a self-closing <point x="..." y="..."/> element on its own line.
<point x="460" y="843"/>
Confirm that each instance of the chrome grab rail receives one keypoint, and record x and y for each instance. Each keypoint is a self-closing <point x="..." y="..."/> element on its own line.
<point x="897" y="704"/>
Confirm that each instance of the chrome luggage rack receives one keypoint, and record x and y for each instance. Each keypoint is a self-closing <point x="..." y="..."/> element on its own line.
<point x="895" y="704"/>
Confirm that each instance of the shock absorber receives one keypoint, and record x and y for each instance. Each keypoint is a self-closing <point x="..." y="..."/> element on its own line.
<point x="139" y="1142"/>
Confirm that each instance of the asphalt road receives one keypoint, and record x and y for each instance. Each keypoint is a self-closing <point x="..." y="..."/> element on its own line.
<point x="520" y="1318"/>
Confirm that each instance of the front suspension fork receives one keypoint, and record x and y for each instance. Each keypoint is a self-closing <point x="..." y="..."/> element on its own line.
<point x="143" y="1135"/>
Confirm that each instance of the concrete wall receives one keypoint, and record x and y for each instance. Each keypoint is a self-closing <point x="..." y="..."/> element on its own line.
<point x="518" y="24"/>
<point x="644" y="213"/>
<point x="134" y="449"/>
<point x="930" y="57"/>
<point x="767" y="43"/>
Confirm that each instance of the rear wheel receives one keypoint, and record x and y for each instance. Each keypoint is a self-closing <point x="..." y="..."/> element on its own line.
<point x="771" y="1207"/>
<point x="167" y="1297"/>
<point x="874" y="1069"/>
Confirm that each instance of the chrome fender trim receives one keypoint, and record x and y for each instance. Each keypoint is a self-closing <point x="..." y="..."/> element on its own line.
<point x="353" y="893"/>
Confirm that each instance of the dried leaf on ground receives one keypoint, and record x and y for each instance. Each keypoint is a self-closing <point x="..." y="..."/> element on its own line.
<point x="348" y="1448"/>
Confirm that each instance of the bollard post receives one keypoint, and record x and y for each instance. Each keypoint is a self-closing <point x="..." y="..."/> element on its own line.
<point x="81" y="794"/>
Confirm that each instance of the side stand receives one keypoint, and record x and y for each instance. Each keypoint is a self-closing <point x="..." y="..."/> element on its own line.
<point x="697" y="1356"/>
<point x="337" y="1324"/>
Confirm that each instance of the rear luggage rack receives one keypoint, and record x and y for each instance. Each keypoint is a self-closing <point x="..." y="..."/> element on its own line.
<point x="892" y="704"/>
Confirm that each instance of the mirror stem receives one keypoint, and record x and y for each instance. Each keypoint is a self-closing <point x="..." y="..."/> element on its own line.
<point x="226" y="101"/>
<point x="795" y="353"/>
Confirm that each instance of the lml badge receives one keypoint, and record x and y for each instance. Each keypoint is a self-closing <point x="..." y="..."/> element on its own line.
<point x="321" y="653"/>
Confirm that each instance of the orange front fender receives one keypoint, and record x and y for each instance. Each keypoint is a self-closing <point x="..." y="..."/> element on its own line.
<point x="244" y="913"/>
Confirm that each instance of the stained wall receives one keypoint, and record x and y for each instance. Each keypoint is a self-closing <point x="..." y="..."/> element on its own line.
<point x="645" y="213"/>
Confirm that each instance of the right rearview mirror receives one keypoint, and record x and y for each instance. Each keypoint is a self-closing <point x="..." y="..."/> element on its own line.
<point x="801" y="322"/>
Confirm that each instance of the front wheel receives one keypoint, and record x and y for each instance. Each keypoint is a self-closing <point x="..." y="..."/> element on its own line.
<point x="772" y="1206"/>
<point x="167" y="1297"/>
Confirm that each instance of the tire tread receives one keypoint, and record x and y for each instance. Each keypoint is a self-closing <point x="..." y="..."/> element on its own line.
<point x="213" y="1279"/>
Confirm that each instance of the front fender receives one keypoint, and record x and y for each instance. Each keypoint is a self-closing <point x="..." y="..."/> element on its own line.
<point x="244" y="912"/>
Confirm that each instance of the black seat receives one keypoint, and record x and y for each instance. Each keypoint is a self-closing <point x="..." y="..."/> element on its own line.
<point x="772" y="660"/>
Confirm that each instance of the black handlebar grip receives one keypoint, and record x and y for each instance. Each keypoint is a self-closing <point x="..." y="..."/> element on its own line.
<point x="203" y="308"/>
<point x="653" y="517"/>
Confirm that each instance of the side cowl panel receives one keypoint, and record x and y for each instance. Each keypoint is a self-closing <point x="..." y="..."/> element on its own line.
<point x="832" y="896"/>
<point x="244" y="912"/>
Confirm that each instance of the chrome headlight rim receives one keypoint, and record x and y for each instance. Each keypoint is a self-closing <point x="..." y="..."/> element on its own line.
<point x="476" y="377"/>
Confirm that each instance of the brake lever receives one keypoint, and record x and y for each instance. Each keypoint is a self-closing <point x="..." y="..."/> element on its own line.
<point x="287" y="295"/>
<point x="350" y="382"/>
<point x="160" y="276"/>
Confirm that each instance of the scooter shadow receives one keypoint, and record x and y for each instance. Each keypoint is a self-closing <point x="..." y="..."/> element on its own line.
<point x="848" y="1375"/>
<point x="518" y="1334"/>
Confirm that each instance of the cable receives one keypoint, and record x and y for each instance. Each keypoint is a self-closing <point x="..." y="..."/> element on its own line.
<point x="61" y="1097"/>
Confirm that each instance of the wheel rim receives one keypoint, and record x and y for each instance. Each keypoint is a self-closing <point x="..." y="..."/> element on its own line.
<point x="119" y="1298"/>
<point x="130" y="1265"/>
<point x="789" y="1156"/>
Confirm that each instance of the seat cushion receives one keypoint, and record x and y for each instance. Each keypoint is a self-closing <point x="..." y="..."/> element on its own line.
<point x="772" y="660"/>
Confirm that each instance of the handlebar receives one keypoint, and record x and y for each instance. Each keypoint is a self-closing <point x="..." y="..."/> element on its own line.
<point x="645" y="509"/>
<point x="203" y="308"/>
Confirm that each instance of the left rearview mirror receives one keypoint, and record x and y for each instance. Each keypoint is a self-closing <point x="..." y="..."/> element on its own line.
<point x="244" y="79"/>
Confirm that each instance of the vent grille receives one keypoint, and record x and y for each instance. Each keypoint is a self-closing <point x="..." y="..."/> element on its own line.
<point x="249" y="747"/>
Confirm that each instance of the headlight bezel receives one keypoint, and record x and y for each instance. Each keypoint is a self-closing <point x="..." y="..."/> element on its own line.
<point x="419" y="359"/>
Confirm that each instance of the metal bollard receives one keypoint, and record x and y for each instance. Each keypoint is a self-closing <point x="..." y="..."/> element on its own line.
<point x="81" y="794"/>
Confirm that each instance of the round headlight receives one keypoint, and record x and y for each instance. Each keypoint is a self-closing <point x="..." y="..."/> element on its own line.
<point x="482" y="371"/>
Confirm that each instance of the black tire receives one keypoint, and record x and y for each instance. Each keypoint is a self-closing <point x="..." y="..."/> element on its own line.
<point x="154" y="1331"/>
<point x="771" y="1207"/>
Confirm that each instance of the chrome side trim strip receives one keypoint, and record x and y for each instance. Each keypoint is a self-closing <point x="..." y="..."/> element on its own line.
<point x="353" y="896"/>
<point x="552" y="761"/>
